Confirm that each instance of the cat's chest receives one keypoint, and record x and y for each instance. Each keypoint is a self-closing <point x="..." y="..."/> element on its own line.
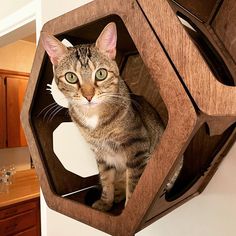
<point x="115" y="159"/>
<point x="91" y="121"/>
<point x="111" y="157"/>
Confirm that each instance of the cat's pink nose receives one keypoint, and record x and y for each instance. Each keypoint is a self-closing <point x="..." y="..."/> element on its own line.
<point x="89" y="97"/>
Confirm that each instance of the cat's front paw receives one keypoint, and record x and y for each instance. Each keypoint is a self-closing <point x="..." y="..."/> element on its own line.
<point x="102" y="205"/>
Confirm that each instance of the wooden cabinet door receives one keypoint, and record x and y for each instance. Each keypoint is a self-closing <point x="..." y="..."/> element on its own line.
<point x="16" y="88"/>
<point x="2" y="113"/>
<point x="22" y="219"/>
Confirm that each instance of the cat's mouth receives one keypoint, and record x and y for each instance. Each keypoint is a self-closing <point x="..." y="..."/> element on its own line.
<point x="90" y="104"/>
<point x="84" y="104"/>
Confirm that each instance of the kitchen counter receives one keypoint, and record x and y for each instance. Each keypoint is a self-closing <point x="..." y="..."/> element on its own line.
<point x="25" y="186"/>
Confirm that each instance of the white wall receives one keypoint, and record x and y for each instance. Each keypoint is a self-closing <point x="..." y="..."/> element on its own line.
<point x="8" y="7"/>
<point x="17" y="20"/>
<point x="211" y="214"/>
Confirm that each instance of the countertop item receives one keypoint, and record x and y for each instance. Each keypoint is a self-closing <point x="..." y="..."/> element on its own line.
<point x="25" y="186"/>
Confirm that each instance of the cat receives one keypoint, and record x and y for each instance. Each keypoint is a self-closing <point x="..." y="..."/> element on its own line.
<point x="121" y="128"/>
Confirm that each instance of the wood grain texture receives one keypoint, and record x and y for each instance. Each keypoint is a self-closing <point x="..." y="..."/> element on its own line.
<point x="224" y="26"/>
<point x="207" y="32"/>
<point x="212" y="97"/>
<point x="201" y="9"/>
<point x="161" y="86"/>
<point x="2" y="112"/>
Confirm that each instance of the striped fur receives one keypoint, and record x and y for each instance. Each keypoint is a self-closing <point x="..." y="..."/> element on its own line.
<point x="127" y="127"/>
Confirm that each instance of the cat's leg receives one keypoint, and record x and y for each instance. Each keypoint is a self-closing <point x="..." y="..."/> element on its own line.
<point x="135" y="168"/>
<point x="107" y="178"/>
<point x="120" y="186"/>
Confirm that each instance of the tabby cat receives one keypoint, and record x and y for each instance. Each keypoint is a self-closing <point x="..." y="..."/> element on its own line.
<point x="121" y="128"/>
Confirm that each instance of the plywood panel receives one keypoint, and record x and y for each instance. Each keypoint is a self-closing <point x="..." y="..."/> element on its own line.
<point x="224" y="26"/>
<point x="201" y="9"/>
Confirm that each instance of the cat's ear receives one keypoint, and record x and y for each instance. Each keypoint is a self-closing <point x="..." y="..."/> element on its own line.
<point x="106" y="42"/>
<point x="54" y="48"/>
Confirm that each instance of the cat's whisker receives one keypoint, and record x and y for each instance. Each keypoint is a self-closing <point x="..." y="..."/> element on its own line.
<point x="116" y="93"/>
<point x="115" y="102"/>
<point x="50" y="109"/>
<point x="55" y="112"/>
<point x="45" y="108"/>
<point x="118" y="96"/>
<point x="52" y="112"/>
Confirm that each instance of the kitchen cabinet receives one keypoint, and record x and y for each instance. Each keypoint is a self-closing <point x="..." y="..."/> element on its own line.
<point x="20" y="206"/>
<point x="12" y="90"/>
<point x="21" y="219"/>
<point x="2" y="113"/>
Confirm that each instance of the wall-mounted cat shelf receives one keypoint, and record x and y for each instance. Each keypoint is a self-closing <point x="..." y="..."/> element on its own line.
<point x="158" y="60"/>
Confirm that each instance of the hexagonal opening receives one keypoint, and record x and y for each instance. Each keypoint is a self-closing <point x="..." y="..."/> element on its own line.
<point x="47" y="118"/>
<point x="201" y="154"/>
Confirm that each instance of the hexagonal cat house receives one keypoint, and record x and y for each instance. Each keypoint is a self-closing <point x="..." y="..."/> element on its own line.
<point x="153" y="64"/>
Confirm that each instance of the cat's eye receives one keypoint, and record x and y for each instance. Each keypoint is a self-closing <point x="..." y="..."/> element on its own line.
<point x="101" y="74"/>
<point x="71" y="77"/>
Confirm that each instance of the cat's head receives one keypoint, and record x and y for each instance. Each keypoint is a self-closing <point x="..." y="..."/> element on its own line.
<point x="86" y="74"/>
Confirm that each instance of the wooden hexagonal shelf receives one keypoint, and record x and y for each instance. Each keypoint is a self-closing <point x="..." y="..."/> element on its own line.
<point x="172" y="75"/>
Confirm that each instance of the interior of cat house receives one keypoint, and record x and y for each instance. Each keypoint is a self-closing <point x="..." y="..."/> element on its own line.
<point x="48" y="118"/>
